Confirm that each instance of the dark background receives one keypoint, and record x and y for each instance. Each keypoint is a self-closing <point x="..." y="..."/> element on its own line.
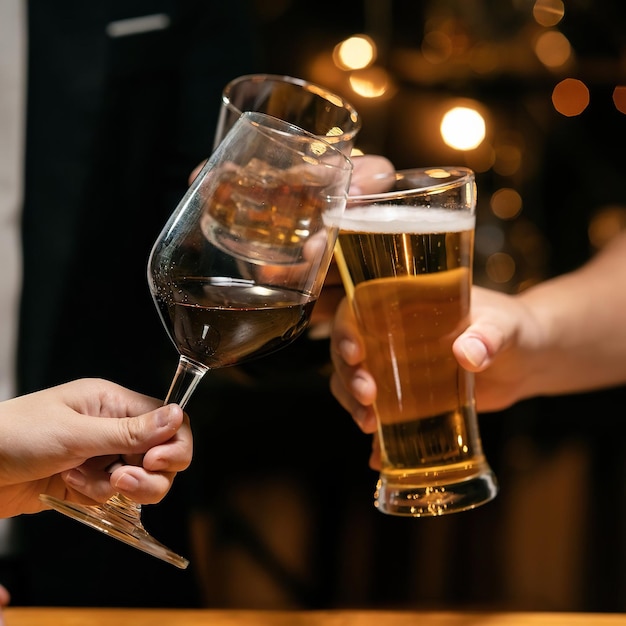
<point x="276" y="509"/>
<point x="556" y="536"/>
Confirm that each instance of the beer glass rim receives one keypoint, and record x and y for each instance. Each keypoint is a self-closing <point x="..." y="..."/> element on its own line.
<point x="324" y="93"/>
<point x="274" y="126"/>
<point x="444" y="177"/>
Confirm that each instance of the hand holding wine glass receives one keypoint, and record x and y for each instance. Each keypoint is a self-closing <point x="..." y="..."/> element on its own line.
<point x="237" y="269"/>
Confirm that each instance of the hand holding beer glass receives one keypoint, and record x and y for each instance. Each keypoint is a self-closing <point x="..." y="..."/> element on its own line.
<point x="406" y="257"/>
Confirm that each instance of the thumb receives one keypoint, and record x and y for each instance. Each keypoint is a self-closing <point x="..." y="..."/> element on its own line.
<point x="478" y="345"/>
<point x="128" y="439"/>
<point x="497" y="320"/>
<point x="134" y="435"/>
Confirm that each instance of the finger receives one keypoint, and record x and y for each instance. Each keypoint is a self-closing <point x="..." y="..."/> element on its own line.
<point x="142" y="486"/>
<point x="88" y="484"/>
<point x="470" y="352"/>
<point x="371" y="174"/>
<point x="97" y="436"/>
<point x="92" y="396"/>
<point x="196" y="171"/>
<point x="346" y="345"/>
<point x="348" y="354"/>
<point x="351" y="384"/>
<point x="174" y="455"/>
<point x="375" y="461"/>
<point x="476" y="348"/>
<point x="362" y="414"/>
<point x="149" y="480"/>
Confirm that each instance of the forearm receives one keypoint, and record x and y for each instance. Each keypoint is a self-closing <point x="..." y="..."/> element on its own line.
<point x="582" y="320"/>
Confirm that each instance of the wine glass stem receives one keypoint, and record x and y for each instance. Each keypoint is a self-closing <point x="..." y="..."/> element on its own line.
<point x="188" y="375"/>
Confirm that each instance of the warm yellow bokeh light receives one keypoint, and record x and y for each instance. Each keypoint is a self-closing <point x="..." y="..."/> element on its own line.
<point x="436" y="47"/>
<point x="570" y="97"/>
<point x="553" y="48"/>
<point x="373" y="82"/>
<point x="548" y="12"/>
<point x="506" y="203"/>
<point x="500" y="267"/>
<point x="355" y="53"/>
<point x="463" y="128"/>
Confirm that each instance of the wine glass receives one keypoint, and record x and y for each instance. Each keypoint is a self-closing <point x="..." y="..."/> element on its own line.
<point x="237" y="269"/>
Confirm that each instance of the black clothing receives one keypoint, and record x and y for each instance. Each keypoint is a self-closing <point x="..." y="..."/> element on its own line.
<point x="115" y="125"/>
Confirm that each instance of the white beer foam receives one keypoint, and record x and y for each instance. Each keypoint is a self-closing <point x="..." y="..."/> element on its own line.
<point x="397" y="219"/>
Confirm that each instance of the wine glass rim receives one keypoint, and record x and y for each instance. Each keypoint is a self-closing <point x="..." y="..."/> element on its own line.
<point x="271" y="125"/>
<point x="323" y="92"/>
<point x="444" y="177"/>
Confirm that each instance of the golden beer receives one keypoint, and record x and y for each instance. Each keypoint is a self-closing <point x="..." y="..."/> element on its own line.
<point x="408" y="272"/>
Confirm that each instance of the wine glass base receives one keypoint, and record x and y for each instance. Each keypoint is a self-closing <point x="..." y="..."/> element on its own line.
<point x="396" y="497"/>
<point x="105" y="519"/>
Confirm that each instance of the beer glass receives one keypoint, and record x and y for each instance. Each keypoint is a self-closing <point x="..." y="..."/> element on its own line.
<point x="309" y="106"/>
<point x="405" y="255"/>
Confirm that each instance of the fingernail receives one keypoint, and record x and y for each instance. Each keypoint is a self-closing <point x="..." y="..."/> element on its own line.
<point x="474" y="351"/>
<point x="126" y="482"/>
<point x="163" y="416"/>
<point x="347" y="350"/>
<point x="360" y="386"/>
<point x="75" y="478"/>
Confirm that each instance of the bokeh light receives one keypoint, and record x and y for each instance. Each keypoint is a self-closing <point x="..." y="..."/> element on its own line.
<point x="463" y="128"/>
<point x="355" y="53"/>
<point x="373" y="82"/>
<point x="506" y="203"/>
<point x="548" y="12"/>
<point x="619" y="98"/>
<point x="553" y="49"/>
<point x="436" y="47"/>
<point x="570" y="97"/>
<point x="500" y="267"/>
